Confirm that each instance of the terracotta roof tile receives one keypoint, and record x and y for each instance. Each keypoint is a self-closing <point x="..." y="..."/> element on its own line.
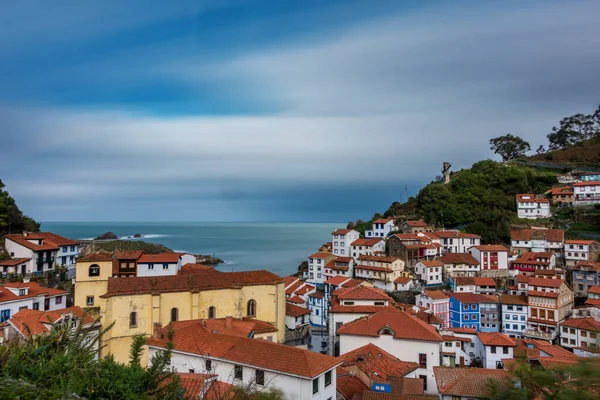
<point x="207" y="280"/>
<point x="34" y="290"/>
<point x="401" y="323"/>
<point x="337" y="308"/>
<point x="431" y="263"/>
<point x="296" y="299"/>
<point x="317" y="295"/>
<point x="436" y="294"/>
<point x="191" y="268"/>
<point x="373" y="268"/>
<point x="403" y="280"/>
<point x="383" y="220"/>
<point x="336" y="280"/>
<point x="458" y="258"/>
<point x="304" y="290"/>
<point x="36" y="320"/>
<point x="292" y="289"/>
<point x="470" y="382"/>
<point x="24" y="241"/>
<point x="366" y="242"/>
<point x="193" y="384"/>
<point x="348" y="385"/>
<point x="550" y="235"/>
<point x="377" y="363"/>
<point x="543" y="282"/>
<point x="456" y="234"/>
<point x="472" y="331"/>
<point x="11" y="262"/>
<point x="591" y="265"/>
<point x="361" y="293"/>
<point x="538" y="293"/>
<point x="382" y="259"/>
<point x="170" y="258"/>
<point x="588" y="242"/>
<point x="295" y="311"/>
<point x="341" y="231"/>
<point x="416" y="224"/>
<point x="197" y="339"/>
<point x="495" y="339"/>
<point x="513" y="299"/>
<point x="491" y="247"/>
<point x="288" y="280"/>
<point x="96" y="257"/>
<point x="587" y="183"/>
<point x="530" y="198"/>
<point x="587" y="324"/>
<point x="321" y="255"/>
<point x="594" y="289"/>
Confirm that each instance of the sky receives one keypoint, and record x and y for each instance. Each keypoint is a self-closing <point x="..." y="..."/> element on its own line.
<point x="241" y="110"/>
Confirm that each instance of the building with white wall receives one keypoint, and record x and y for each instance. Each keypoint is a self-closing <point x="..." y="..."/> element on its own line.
<point x="478" y="284"/>
<point x="316" y="267"/>
<point x="580" y="333"/>
<point x="514" y="314"/>
<point x="382" y="271"/>
<point x="16" y="296"/>
<point x="495" y="347"/>
<point x="381" y="228"/>
<point x="436" y="302"/>
<point x="373" y="246"/>
<point x="459" y="265"/>
<point x="342" y="239"/>
<point x="296" y="316"/>
<point x="581" y="250"/>
<point x="40" y="252"/>
<point x="530" y="207"/>
<point x="340" y="266"/>
<point x="587" y="193"/>
<point x="490" y="256"/>
<point x="250" y="363"/>
<point x="400" y="334"/>
<point x="163" y="264"/>
<point x="537" y="240"/>
<point x="430" y="272"/>
<point x="456" y="241"/>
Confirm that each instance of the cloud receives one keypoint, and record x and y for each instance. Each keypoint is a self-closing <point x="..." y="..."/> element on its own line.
<point x="344" y="119"/>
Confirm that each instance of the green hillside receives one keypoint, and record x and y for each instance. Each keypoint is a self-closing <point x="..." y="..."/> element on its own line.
<point x="12" y="219"/>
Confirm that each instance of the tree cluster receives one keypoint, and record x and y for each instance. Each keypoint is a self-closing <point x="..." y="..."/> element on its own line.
<point x="574" y="130"/>
<point x="509" y="146"/>
<point x="11" y="218"/>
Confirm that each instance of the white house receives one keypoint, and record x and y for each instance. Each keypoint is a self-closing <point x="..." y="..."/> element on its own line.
<point x="587" y="193"/>
<point x="456" y="241"/>
<point x="400" y="334"/>
<point x="457" y="349"/>
<point x="316" y="267"/>
<point x="296" y="316"/>
<point x="163" y="264"/>
<point x="430" y="272"/>
<point x="491" y="256"/>
<point x="580" y="333"/>
<point x="250" y="363"/>
<point x="514" y="315"/>
<point x="16" y="296"/>
<point x="381" y="228"/>
<point x="38" y="322"/>
<point x="436" y="302"/>
<point x="42" y="251"/>
<point x="530" y="207"/>
<point x="403" y="284"/>
<point x="581" y="250"/>
<point x="342" y="241"/>
<point x="495" y="347"/>
<point x="340" y="266"/>
<point x="478" y="284"/>
<point x="371" y="246"/>
<point x="318" y="307"/>
<point x="459" y="265"/>
<point x="537" y="240"/>
<point x="381" y="270"/>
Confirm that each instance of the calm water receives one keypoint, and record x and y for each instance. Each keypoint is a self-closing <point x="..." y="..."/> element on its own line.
<point x="277" y="247"/>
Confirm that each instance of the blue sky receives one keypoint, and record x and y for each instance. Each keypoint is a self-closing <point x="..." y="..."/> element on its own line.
<point x="269" y="110"/>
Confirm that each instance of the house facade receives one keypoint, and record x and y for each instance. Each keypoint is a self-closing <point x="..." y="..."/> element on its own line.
<point x="373" y="246"/>
<point x="456" y="241"/>
<point x="459" y="265"/>
<point x="475" y="311"/>
<point x="585" y="276"/>
<point x="381" y="228"/>
<point x="436" y="302"/>
<point x="587" y="193"/>
<point x="537" y="240"/>
<point x="495" y="347"/>
<point x="531" y="207"/>
<point x="562" y="196"/>
<point x="549" y="303"/>
<point x="342" y="241"/>
<point x="581" y="250"/>
<point x="162" y="264"/>
<point x="340" y="266"/>
<point x="580" y="333"/>
<point x="17" y="296"/>
<point x="382" y="271"/>
<point x="430" y="272"/>
<point x="319" y="307"/>
<point x="528" y="263"/>
<point x="490" y="257"/>
<point x="415" y="226"/>
<point x="316" y="267"/>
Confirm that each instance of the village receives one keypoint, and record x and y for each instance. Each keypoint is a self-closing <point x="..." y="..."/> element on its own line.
<point x="407" y="309"/>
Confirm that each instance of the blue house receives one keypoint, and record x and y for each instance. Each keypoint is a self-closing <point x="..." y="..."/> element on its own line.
<point x="472" y="310"/>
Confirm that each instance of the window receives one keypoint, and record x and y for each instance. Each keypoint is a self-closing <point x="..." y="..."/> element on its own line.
<point x="423" y="360"/>
<point x="424" y="378"/>
<point x="238" y="372"/>
<point x="260" y="377"/>
<point x="493" y="349"/>
<point x="22" y="292"/>
<point x="58" y="300"/>
<point x="208" y="365"/>
<point x="504" y="350"/>
<point x="72" y="248"/>
<point x="192" y="371"/>
<point x="327" y="378"/>
<point x="316" y="385"/>
<point x="36" y="306"/>
<point x="251" y="308"/>
<point x="133" y="320"/>
<point x="94" y="270"/>
<point x="22" y="308"/>
<point x="150" y="266"/>
<point x="583" y="334"/>
<point x="89" y="301"/>
<point x="64" y="249"/>
<point x="174" y="314"/>
<point x="212" y="312"/>
<point x="565" y="329"/>
<point x="379" y="303"/>
<point x="165" y="266"/>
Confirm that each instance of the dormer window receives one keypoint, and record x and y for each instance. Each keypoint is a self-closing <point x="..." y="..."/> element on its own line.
<point x="22" y="292"/>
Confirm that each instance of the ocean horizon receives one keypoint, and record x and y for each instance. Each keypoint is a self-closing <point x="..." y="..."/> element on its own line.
<point x="275" y="246"/>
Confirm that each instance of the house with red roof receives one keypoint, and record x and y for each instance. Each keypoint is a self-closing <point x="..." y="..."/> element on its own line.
<point x="490" y="256"/>
<point x="340" y="267"/>
<point x="458" y="349"/>
<point x="163" y="264"/>
<point x="470" y="383"/>
<point x="478" y="284"/>
<point x="39" y="252"/>
<point x="494" y="347"/>
<point x="414" y="226"/>
<point x="399" y="334"/>
<point x="459" y="265"/>
<point x="342" y="241"/>
<point x="537" y="239"/>
<point x="17" y="296"/>
<point x="381" y="270"/>
<point x="581" y="250"/>
<point x="531" y="207"/>
<point x="454" y="241"/>
<point x="586" y="193"/>
<point x="563" y="195"/>
<point x="580" y="333"/>
<point x="316" y="267"/>
<point x="430" y="272"/>
<point x="549" y="303"/>
<point x="530" y="262"/>
<point x="436" y="302"/>
<point x="414" y="247"/>
<point x="514" y="313"/>
<point x="372" y="246"/>
<point x="381" y="228"/>
<point x="37" y="322"/>
<point x="241" y="361"/>
<point x="585" y="276"/>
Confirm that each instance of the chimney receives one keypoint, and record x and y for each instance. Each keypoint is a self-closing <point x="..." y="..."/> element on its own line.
<point x="24" y="233"/>
<point x="26" y="279"/>
<point x="228" y="322"/>
<point x="157" y="333"/>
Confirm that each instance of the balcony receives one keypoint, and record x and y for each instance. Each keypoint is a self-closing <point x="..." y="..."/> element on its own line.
<point x="532" y="333"/>
<point x="46" y="260"/>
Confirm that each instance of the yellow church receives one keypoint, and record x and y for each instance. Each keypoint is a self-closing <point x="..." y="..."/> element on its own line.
<point x="134" y="304"/>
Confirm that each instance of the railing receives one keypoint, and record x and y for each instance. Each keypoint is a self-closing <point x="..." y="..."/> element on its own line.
<point x="540" y="335"/>
<point x="41" y="261"/>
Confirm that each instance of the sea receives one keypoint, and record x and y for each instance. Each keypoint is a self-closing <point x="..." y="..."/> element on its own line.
<point x="276" y="247"/>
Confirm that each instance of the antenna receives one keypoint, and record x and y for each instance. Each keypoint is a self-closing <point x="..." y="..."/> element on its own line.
<point x="406" y="190"/>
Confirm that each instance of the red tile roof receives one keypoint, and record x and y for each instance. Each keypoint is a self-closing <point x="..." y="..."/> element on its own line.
<point x="336" y="280"/>
<point x="191" y="268"/>
<point x="37" y="321"/>
<point x="403" y="280"/>
<point x="304" y="290"/>
<point x="238" y="327"/>
<point x="366" y="242"/>
<point x="404" y="326"/>
<point x="463" y="330"/>
<point x="348" y="385"/>
<point x="471" y="298"/>
<point x="552" y="283"/>
<point x="295" y="311"/>
<point x="361" y="293"/>
<point x="24" y="241"/>
<point x="317" y="295"/>
<point x="594" y="289"/>
<point x="587" y="183"/>
<point x="588" y="242"/>
<point x="220" y="390"/>
<point x="296" y="299"/>
<point x="436" y="294"/>
<point x="11" y="262"/>
<point x="491" y="247"/>
<point x="565" y="190"/>
<point x="591" y="265"/>
<point x="383" y="220"/>
<point x="376" y="363"/>
<point x="373" y="268"/>
<point x="431" y="263"/>
<point x="530" y="198"/>
<point x="458" y="258"/>
<point x="477" y="281"/>
<point x="288" y="280"/>
<point x="321" y="255"/>
<point x="587" y="324"/>
<point x="451" y="338"/>
<point x="382" y="259"/>
<point x="532" y="258"/>
<point x="550" y="235"/>
<point x="34" y="290"/>
<point x="538" y="293"/>
<point x="470" y="382"/>
<point x="416" y="224"/>
<point x="128" y="254"/>
<point x="292" y="289"/>
<point x="170" y="258"/>
<point x="495" y="339"/>
<point x="207" y="280"/>
<point x="456" y="234"/>
<point x="96" y="257"/>
<point x="513" y="299"/>
<point x="341" y="231"/>
<point x="193" y="383"/>
<point x="262" y="354"/>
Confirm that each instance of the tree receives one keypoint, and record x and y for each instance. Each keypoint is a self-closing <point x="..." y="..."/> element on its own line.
<point x="350" y="225"/>
<point x="574" y="130"/>
<point x="509" y="147"/>
<point x="11" y="217"/>
<point x="540" y="149"/>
